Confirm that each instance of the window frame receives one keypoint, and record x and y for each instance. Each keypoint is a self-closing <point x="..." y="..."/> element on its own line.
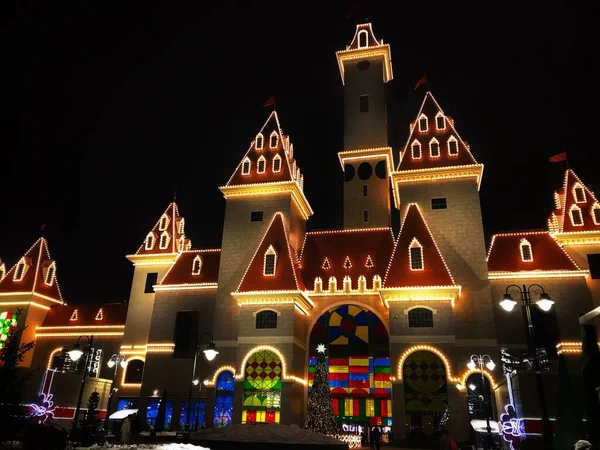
<point x="266" y="317"/>
<point x="420" y="120"/>
<point x="414" y="321"/>
<point x="268" y="254"/>
<point x="148" y="286"/>
<point x="416" y="144"/>
<point x="278" y="159"/>
<point x="437" y="203"/>
<point x="432" y="142"/>
<point x="578" y="209"/>
<point x="525" y="244"/>
<point x="259" y="139"/>
<point x="415" y="244"/>
<point x="452" y="139"/>
<point x="246" y="164"/>
<point x="439" y="116"/>
<point x="197" y="270"/>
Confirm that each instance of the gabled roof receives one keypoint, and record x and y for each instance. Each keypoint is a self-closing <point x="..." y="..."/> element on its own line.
<point x="567" y="201"/>
<point x="38" y="262"/>
<point x="287" y="273"/>
<point x="357" y="246"/>
<point x="430" y="108"/>
<point x="288" y="170"/>
<point x="504" y="254"/>
<point x="434" y="273"/>
<point x="172" y="229"/>
<point x="86" y="315"/>
<point x="371" y="39"/>
<point x="180" y="272"/>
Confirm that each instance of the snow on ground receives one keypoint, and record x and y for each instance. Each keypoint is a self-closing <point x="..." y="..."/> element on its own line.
<point x="173" y="446"/>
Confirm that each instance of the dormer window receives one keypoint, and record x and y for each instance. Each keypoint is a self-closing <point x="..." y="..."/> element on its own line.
<point x="164" y="240"/>
<point x="270" y="261"/>
<point x="21" y="270"/>
<point x="149" y="243"/>
<point x="369" y="262"/>
<point x="74" y="316"/>
<point x="50" y="274"/>
<point x="363" y="39"/>
<point x="415" y="255"/>
<point x="347" y="263"/>
<point x="277" y="163"/>
<point x="2" y="271"/>
<point x="163" y="223"/>
<point x="556" y="200"/>
<point x="189" y="245"/>
<point x="262" y="164"/>
<point x="100" y="315"/>
<point x="246" y="165"/>
<point x="260" y="140"/>
<point x="452" y="146"/>
<point x="526" y="252"/>
<point x="416" y="149"/>
<point x="181" y="229"/>
<point x="273" y="139"/>
<point x="579" y="193"/>
<point x="423" y="123"/>
<point x="197" y="265"/>
<point x="326" y="265"/>
<point x="595" y="216"/>
<point x="576" y="217"/>
<point x="440" y="121"/>
<point x="181" y="244"/>
<point x="434" y="148"/>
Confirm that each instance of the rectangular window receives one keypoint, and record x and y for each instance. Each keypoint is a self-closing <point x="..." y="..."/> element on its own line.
<point x="151" y="280"/>
<point x="365" y="215"/>
<point x="439" y="123"/>
<point x="416" y="261"/>
<point x="365" y="190"/>
<point x="364" y="103"/>
<point x="453" y="147"/>
<point x="439" y="203"/>
<point x="186" y="333"/>
<point x="256" y="216"/>
<point x="594" y="263"/>
<point x="270" y="265"/>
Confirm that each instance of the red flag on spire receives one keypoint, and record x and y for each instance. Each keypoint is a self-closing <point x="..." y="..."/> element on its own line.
<point x="559" y="157"/>
<point x="270" y="101"/>
<point x="421" y="81"/>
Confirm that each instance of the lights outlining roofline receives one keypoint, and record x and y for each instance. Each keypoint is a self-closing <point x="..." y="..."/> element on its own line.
<point x="213" y="381"/>
<point x="375" y="51"/>
<point x="32" y="294"/>
<point x="299" y="299"/>
<point x="185" y="287"/>
<point x="37" y="305"/>
<point x="534" y="274"/>
<point x="420" y="294"/>
<point x="368" y="153"/>
<point x="124" y="372"/>
<point x="284" y="375"/>
<point x="77" y="334"/>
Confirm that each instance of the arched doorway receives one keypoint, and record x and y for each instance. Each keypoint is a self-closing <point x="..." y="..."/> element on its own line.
<point x="479" y="397"/>
<point x="223" y="399"/>
<point x="425" y="395"/>
<point x="358" y="362"/>
<point x="262" y="387"/>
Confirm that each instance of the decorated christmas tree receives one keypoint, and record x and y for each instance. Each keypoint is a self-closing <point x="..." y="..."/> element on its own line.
<point x="319" y="413"/>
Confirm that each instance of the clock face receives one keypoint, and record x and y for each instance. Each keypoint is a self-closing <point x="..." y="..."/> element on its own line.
<point x="363" y="65"/>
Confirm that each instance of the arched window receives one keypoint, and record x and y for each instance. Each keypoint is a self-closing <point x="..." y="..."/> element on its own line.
<point x="595" y="216"/>
<point x="197" y="265"/>
<point x="262" y="164"/>
<point x="277" y="163"/>
<point x="246" y="165"/>
<point x="182" y="226"/>
<point x="163" y="223"/>
<point x="149" y="243"/>
<point x="363" y="39"/>
<point x="440" y="121"/>
<point x="50" y="273"/>
<point x="259" y="141"/>
<point x="273" y="139"/>
<point x="526" y="252"/>
<point x="579" y="193"/>
<point x="262" y="394"/>
<point x="270" y="261"/>
<point x="576" y="217"/>
<point x="164" y="240"/>
<point x="134" y="371"/>
<point x="266" y="319"/>
<point x="452" y="146"/>
<point x="416" y="149"/>
<point x="420" y="318"/>
<point x="434" y="148"/>
<point x="224" y="399"/>
<point x="415" y="255"/>
<point x="478" y="385"/>
<point x="20" y="270"/>
<point x="423" y="123"/>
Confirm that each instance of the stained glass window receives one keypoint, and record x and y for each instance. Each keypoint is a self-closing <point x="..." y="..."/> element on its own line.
<point x="358" y="363"/>
<point x="127" y="403"/>
<point x="224" y="399"/>
<point x="262" y="388"/>
<point x="196" y="413"/>
<point x="152" y="412"/>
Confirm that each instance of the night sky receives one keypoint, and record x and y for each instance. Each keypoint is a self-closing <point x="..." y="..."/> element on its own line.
<point x="114" y="106"/>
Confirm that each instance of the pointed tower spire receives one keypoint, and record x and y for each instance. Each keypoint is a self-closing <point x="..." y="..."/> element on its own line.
<point x="167" y="236"/>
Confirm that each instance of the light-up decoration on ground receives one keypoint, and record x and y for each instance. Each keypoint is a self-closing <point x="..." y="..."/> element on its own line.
<point x="353" y="440"/>
<point x="42" y="409"/>
<point x="511" y="428"/>
<point x="8" y="323"/>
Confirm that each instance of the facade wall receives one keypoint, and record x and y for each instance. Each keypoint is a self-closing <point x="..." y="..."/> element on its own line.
<point x="579" y="253"/>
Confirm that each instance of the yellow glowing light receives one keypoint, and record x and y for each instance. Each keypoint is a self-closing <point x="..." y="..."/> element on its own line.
<point x="100" y="315"/>
<point x="81" y="327"/>
<point x="487" y="374"/>
<point x="124" y="371"/>
<point x="377" y="51"/>
<point x="296" y="298"/>
<point x="429" y="348"/>
<point x="218" y="372"/>
<point x="51" y="357"/>
<point x="420" y="293"/>
<point x="526" y="250"/>
<point x="368" y="153"/>
<point x="37" y="305"/>
<point x="498" y="275"/>
<point x="95" y="333"/>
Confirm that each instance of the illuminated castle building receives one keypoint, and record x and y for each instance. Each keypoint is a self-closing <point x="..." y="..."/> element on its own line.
<point x="399" y="312"/>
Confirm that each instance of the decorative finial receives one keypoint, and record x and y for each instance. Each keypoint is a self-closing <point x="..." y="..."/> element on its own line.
<point x="321" y="348"/>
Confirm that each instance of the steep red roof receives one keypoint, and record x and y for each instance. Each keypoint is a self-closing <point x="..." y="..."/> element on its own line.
<point x="39" y="267"/>
<point x="431" y="109"/>
<point x="371" y="39"/>
<point x="434" y="272"/>
<point x="287" y="273"/>
<point x="86" y="315"/>
<point x="347" y="253"/>
<point x="181" y="272"/>
<point x="288" y="170"/>
<point x="504" y="254"/>
<point x="169" y="224"/>
<point x="566" y="200"/>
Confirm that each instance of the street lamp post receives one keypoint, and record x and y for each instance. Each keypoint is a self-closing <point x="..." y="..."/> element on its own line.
<point x="114" y="361"/>
<point x="545" y="304"/>
<point x="75" y="353"/>
<point x="210" y="352"/>
<point x="480" y="361"/>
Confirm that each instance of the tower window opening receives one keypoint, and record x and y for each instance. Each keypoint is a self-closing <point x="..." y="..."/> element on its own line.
<point x="596" y="214"/>
<point x="50" y="274"/>
<point x="415" y="253"/>
<point x="363" y="39"/>
<point x="277" y="163"/>
<point x="270" y="261"/>
<point x="440" y="121"/>
<point x="149" y="244"/>
<point x="416" y="150"/>
<point x="420" y="318"/>
<point x="260" y="140"/>
<point x="262" y="164"/>
<point x="526" y="252"/>
<point x="423" y="123"/>
<point x="256" y="216"/>
<point x="364" y="103"/>
<point x="197" y="265"/>
<point x="273" y="139"/>
<point x="365" y="215"/>
<point x="20" y="271"/>
<point x="452" y="146"/>
<point x="579" y="193"/>
<point x="365" y="190"/>
<point x="434" y="148"/>
<point x="439" y="203"/>
<point x="246" y="167"/>
<point x="576" y="218"/>
<point x="266" y="319"/>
